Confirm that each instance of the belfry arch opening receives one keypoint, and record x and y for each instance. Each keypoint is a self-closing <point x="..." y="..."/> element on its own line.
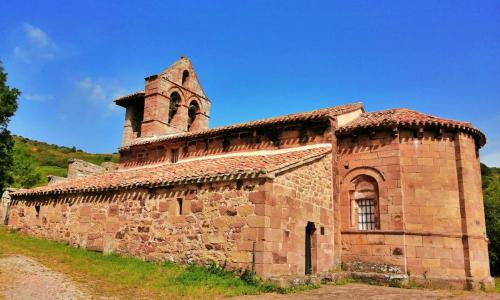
<point x="175" y="102"/>
<point x="193" y="110"/>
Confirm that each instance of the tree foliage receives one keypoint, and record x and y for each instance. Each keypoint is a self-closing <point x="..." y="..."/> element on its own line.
<point x="491" y="189"/>
<point x="24" y="172"/>
<point x="8" y="106"/>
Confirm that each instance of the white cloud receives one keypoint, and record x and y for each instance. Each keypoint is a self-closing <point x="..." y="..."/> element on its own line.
<point x="38" y="36"/>
<point x="101" y="92"/>
<point x="37" y="97"/>
<point x="491" y="159"/>
<point x="35" y="44"/>
<point x="94" y="90"/>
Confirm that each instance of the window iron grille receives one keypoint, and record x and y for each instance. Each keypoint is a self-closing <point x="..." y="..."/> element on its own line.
<point x="367" y="215"/>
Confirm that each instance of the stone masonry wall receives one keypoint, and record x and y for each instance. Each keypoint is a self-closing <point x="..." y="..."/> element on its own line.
<point x="431" y="209"/>
<point x="301" y="195"/>
<point x="432" y="205"/>
<point x="378" y="157"/>
<point x="217" y="222"/>
<point x="212" y="224"/>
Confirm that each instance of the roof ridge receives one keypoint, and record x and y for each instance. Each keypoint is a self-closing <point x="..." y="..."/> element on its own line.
<point x="174" y="174"/>
<point x="400" y="109"/>
<point x="407" y="117"/>
<point x="286" y="166"/>
<point x="317" y="113"/>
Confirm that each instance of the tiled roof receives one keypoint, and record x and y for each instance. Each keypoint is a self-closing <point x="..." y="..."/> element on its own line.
<point x="193" y="171"/>
<point x="126" y="98"/>
<point x="310" y="115"/>
<point x="406" y="117"/>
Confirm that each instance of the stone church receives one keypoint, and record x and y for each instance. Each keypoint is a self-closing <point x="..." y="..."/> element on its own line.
<point x="395" y="193"/>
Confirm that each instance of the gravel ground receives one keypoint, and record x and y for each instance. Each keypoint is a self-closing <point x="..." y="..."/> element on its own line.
<point x="371" y="292"/>
<point x="23" y="278"/>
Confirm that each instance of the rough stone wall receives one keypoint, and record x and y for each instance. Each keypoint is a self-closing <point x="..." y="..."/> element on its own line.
<point x="3" y="210"/>
<point x="213" y="224"/>
<point x="134" y="114"/>
<point x="301" y="195"/>
<point x="78" y="168"/>
<point x="217" y="222"/>
<point x="55" y="179"/>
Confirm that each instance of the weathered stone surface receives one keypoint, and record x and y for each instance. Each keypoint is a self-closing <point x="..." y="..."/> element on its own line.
<point x="78" y="168"/>
<point x="5" y="204"/>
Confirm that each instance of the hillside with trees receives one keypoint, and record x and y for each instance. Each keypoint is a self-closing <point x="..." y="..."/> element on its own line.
<point x="34" y="161"/>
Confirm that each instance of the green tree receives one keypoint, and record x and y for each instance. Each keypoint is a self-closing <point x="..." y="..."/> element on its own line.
<point x="8" y="106"/>
<point x="24" y="172"/>
<point x="491" y="189"/>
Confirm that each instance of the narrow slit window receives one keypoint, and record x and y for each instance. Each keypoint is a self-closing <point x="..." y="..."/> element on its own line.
<point x="185" y="77"/>
<point x="367" y="217"/>
<point x="37" y="210"/>
<point x="174" y="155"/>
<point x="179" y="206"/>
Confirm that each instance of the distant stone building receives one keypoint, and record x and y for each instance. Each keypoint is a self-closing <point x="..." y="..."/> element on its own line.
<point x="393" y="192"/>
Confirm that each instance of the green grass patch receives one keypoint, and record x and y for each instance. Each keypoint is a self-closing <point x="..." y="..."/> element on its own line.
<point x="497" y="284"/>
<point x="128" y="277"/>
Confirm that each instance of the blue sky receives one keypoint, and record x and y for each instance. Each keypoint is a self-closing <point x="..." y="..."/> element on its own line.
<point x="254" y="59"/>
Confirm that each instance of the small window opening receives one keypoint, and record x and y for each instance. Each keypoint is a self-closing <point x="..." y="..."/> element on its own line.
<point x="322" y="230"/>
<point x="37" y="210"/>
<point x="185" y="76"/>
<point x="179" y="206"/>
<point x="192" y="111"/>
<point x="367" y="214"/>
<point x="175" y="102"/>
<point x="174" y="155"/>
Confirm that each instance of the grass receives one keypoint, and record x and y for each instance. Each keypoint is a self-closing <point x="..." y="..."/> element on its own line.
<point x="127" y="277"/>
<point x="497" y="284"/>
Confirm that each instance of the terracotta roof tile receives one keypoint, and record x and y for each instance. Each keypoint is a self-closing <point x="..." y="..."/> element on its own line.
<point x="122" y="100"/>
<point x="406" y="117"/>
<point x="310" y="115"/>
<point x="213" y="169"/>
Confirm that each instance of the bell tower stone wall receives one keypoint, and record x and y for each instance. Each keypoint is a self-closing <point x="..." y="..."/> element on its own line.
<point x="174" y="102"/>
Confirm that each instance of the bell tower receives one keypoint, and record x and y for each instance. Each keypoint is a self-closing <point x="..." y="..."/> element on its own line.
<point x="172" y="102"/>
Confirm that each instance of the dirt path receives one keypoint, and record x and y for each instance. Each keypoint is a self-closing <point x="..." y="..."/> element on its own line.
<point x="22" y="278"/>
<point x="371" y="292"/>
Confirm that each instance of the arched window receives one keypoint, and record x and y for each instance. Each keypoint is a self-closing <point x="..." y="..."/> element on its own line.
<point x="185" y="76"/>
<point x="365" y="203"/>
<point x="192" y="111"/>
<point x="175" y="102"/>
